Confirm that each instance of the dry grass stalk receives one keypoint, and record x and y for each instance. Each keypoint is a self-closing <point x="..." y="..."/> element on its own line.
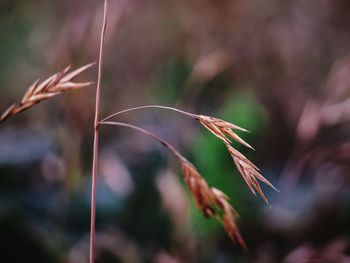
<point x="39" y="91"/>
<point x="96" y="136"/>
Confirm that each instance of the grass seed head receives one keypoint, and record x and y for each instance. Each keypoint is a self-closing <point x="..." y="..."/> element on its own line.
<point x="229" y="217"/>
<point x="212" y="201"/>
<point x="52" y="86"/>
<point x="225" y="131"/>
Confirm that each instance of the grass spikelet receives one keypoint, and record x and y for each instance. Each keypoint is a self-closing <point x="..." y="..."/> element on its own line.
<point x="229" y="217"/>
<point x="52" y="86"/>
<point x="199" y="188"/>
<point x="222" y="129"/>
<point x="212" y="201"/>
<point x="249" y="171"/>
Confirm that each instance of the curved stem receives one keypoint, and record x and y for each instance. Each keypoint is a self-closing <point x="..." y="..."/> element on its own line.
<point x="148" y="107"/>
<point x="150" y="134"/>
<point x="96" y="138"/>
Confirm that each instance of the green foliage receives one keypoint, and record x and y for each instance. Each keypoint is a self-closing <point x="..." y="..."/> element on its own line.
<point x="172" y="78"/>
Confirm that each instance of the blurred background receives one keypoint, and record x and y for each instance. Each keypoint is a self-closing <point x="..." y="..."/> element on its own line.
<point x="280" y="69"/>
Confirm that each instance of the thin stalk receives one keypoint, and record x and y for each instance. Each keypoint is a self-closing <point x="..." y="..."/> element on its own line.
<point x="148" y="133"/>
<point x="150" y="106"/>
<point x="96" y="138"/>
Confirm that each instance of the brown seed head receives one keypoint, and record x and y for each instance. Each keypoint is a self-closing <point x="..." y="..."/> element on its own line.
<point x="212" y="201"/>
<point x="39" y="91"/>
<point x="249" y="171"/>
<point x="199" y="188"/>
<point x="229" y="217"/>
<point x="224" y="130"/>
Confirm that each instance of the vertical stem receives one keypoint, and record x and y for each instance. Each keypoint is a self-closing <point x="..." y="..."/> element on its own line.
<point x="96" y="139"/>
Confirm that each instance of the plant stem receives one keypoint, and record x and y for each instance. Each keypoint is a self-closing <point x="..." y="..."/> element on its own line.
<point x="148" y="133"/>
<point x="96" y="139"/>
<point x="150" y="106"/>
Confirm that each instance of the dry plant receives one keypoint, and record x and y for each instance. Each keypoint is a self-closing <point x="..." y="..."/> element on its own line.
<point x="224" y="131"/>
<point x="211" y="201"/>
<point x="40" y="91"/>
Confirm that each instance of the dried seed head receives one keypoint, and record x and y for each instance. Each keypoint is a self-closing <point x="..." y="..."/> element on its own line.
<point x="212" y="201"/>
<point x="229" y="217"/>
<point x="199" y="188"/>
<point x="229" y="133"/>
<point x="220" y="123"/>
<point x="39" y="91"/>
<point x="249" y="171"/>
<point x="222" y="129"/>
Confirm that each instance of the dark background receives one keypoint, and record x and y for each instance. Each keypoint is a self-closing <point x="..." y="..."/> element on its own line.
<point x="281" y="69"/>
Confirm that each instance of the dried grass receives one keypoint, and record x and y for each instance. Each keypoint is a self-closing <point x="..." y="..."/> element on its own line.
<point x="211" y="201"/>
<point x="225" y="132"/>
<point x="40" y="91"/>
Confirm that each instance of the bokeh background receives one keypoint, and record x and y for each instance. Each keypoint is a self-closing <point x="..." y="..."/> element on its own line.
<point x="281" y="69"/>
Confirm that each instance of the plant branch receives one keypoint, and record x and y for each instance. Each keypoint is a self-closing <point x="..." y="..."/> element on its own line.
<point x="148" y="133"/>
<point x="148" y="107"/>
